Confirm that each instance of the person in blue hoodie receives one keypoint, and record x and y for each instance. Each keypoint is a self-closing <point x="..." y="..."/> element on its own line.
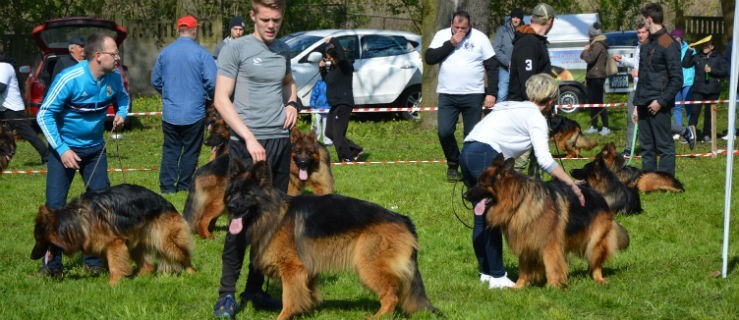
<point x="686" y="92"/>
<point x="72" y="117"/>
<point x="319" y="102"/>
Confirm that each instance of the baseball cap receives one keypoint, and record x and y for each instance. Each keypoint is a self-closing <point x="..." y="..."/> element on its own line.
<point x="544" y="11"/>
<point x="78" y="41"/>
<point x="236" y="21"/>
<point x="188" y="22"/>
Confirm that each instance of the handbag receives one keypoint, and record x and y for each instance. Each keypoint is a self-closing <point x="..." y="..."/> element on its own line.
<point x="611" y="66"/>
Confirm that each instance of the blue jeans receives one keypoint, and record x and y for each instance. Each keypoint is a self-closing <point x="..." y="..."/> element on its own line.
<point x="487" y="242"/>
<point x="504" y="76"/>
<point x="94" y="171"/>
<point x="685" y="94"/>
<point x="450" y="106"/>
<point x="180" y="152"/>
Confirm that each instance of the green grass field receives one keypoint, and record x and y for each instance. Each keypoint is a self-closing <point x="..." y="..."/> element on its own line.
<point x="666" y="273"/>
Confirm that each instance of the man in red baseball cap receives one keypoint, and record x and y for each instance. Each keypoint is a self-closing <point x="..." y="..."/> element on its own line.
<point x="187" y="22"/>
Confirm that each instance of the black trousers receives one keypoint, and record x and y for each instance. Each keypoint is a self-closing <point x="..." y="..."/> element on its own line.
<point x="595" y="95"/>
<point x="655" y="138"/>
<point x="336" y="126"/>
<point x="695" y="111"/>
<point x="234" y="248"/>
<point x="19" y="121"/>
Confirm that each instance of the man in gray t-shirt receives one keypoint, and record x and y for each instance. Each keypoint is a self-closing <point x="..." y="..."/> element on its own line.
<point x="255" y="70"/>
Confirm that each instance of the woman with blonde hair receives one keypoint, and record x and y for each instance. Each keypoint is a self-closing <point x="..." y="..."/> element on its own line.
<point x="511" y="128"/>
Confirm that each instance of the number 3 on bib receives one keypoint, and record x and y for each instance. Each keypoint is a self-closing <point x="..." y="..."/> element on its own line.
<point x="529" y="66"/>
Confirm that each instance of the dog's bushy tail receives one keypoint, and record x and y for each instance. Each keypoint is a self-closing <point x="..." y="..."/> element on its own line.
<point x="659" y="181"/>
<point x="414" y="299"/>
<point x="621" y="236"/>
<point x="190" y="213"/>
<point x="585" y="142"/>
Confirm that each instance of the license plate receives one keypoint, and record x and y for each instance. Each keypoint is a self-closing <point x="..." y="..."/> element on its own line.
<point x="619" y="81"/>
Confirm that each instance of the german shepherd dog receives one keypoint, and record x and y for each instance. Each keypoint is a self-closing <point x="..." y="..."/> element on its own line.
<point x="116" y="224"/>
<point x="218" y="133"/>
<point x="310" y="165"/>
<point x="568" y="137"/>
<point x="619" y="196"/>
<point x="644" y="181"/>
<point x="542" y="221"/>
<point x="298" y="238"/>
<point x="7" y="147"/>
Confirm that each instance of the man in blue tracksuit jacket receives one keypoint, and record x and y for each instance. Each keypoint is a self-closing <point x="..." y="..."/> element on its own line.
<point x="72" y="117"/>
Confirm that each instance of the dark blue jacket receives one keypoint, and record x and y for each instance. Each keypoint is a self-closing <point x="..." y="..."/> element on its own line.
<point x="660" y="71"/>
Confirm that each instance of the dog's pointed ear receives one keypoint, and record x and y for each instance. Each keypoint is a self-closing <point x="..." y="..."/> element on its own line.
<point x="498" y="161"/>
<point x="509" y="165"/>
<point x="262" y="173"/>
<point x="235" y="167"/>
<point x="295" y="135"/>
<point x="312" y="135"/>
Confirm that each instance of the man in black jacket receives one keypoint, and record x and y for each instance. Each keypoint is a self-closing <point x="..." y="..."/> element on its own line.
<point x="530" y="54"/>
<point x="466" y="57"/>
<point x="76" y="54"/>
<point x="660" y="77"/>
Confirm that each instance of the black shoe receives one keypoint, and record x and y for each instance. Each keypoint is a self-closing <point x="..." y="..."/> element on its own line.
<point x="96" y="271"/>
<point x="626" y="153"/>
<point x="452" y="175"/>
<point x="51" y="273"/>
<point x="261" y="300"/>
<point x="690" y="136"/>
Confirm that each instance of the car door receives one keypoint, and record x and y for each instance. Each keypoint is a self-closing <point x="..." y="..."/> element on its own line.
<point x="383" y="69"/>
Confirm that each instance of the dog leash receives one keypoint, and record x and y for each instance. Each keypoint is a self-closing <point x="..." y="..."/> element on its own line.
<point x="454" y="208"/>
<point x="97" y="162"/>
<point x="633" y="144"/>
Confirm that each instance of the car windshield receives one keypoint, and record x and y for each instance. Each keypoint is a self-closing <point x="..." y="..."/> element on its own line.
<point x="623" y="38"/>
<point x="59" y="37"/>
<point x="298" y="42"/>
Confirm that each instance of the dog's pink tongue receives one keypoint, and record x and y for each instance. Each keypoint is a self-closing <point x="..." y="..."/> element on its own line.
<point x="480" y="207"/>
<point x="303" y="174"/>
<point x="235" y="226"/>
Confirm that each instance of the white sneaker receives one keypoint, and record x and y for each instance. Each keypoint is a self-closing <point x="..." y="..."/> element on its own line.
<point x="591" y="130"/>
<point x="676" y="136"/>
<point x="327" y="141"/>
<point x="485" y="278"/>
<point x="501" y="283"/>
<point x="726" y="137"/>
<point x="604" y="131"/>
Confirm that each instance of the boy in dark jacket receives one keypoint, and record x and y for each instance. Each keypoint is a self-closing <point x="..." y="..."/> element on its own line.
<point x="710" y="67"/>
<point x="530" y="54"/>
<point x="660" y="77"/>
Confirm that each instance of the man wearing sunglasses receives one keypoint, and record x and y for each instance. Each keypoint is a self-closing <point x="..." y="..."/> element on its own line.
<point x="72" y="117"/>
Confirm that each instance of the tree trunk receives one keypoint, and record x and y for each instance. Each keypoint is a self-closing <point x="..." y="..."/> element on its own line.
<point x="728" y="7"/>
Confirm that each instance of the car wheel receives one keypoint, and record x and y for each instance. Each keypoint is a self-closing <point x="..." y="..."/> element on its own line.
<point x="570" y="95"/>
<point x="411" y="98"/>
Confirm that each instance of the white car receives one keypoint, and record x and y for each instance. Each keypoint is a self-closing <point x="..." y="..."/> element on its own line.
<point x="387" y="65"/>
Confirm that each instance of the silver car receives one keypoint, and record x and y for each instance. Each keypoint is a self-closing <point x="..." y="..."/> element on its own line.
<point x="387" y="65"/>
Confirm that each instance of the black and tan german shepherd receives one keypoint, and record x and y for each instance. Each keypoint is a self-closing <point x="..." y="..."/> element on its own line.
<point x="568" y="137"/>
<point x="543" y="221"/>
<point x="644" y="181"/>
<point x="297" y="238"/>
<point x="7" y="146"/>
<point x="123" y="222"/>
<point x="310" y="166"/>
<point x="619" y="196"/>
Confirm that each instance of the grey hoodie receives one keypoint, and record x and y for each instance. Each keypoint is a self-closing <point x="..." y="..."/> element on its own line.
<point x="503" y="43"/>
